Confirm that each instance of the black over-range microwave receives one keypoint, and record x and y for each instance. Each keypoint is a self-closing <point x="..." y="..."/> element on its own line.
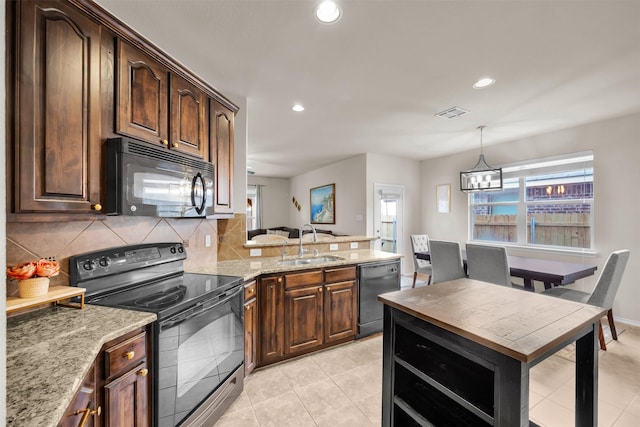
<point x="143" y="180"/>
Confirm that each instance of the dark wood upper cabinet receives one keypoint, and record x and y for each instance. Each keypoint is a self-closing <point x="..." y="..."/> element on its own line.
<point x="222" y="122"/>
<point x="189" y="108"/>
<point x="142" y="90"/>
<point x="76" y="75"/>
<point x="157" y="106"/>
<point x="56" y="152"/>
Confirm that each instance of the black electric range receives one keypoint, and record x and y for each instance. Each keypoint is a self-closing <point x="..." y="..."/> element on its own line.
<point x="198" y="339"/>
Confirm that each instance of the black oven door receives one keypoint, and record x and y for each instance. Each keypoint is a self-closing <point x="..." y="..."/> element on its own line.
<point x="199" y="349"/>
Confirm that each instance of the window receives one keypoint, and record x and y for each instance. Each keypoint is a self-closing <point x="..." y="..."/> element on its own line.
<point x="547" y="203"/>
<point x="253" y="207"/>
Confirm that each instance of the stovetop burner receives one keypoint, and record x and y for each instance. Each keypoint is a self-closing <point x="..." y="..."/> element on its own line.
<point x="162" y="299"/>
<point x="147" y="277"/>
<point x="168" y="296"/>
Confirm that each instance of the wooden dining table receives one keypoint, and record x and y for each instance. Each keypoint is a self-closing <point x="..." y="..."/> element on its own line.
<point x="550" y="272"/>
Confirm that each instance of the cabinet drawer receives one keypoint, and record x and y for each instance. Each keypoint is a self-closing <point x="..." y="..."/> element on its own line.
<point x="305" y="278"/>
<point x="250" y="291"/>
<point x="342" y="274"/>
<point x="124" y="356"/>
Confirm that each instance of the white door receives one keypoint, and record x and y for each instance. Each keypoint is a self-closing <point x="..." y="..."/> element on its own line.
<point x="387" y="217"/>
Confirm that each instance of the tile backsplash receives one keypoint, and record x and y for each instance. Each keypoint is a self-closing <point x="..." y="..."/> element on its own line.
<point x="31" y="241"/>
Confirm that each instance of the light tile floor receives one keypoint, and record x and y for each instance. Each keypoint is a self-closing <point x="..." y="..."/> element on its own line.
<point x="342" y="387"/>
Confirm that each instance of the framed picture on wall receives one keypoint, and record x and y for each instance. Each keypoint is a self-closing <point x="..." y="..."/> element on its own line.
<point x="323" y="204"/>
<point x="443" y="198"/>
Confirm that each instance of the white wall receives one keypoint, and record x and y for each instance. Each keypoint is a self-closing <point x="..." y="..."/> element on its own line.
<point x="616" y="148"/>
<point x="241" y="138"/>
<point x="276" y="201"/>
<point x="397" y="171"/>
<point x="350" y="198"/>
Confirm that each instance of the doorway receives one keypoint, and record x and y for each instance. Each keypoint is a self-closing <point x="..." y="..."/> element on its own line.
<point x="388" y="217"/>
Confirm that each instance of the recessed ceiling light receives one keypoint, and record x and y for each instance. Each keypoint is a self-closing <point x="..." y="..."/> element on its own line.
<point x="328" y="12"/>
<point x="485" y="82"/>
<point x="297" y="108"/>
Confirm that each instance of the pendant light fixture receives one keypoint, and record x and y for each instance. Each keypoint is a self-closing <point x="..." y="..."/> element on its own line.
<point x="481" y="177"/>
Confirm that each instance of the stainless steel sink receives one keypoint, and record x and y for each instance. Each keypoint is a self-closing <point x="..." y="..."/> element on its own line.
<point x="314" y="260"/>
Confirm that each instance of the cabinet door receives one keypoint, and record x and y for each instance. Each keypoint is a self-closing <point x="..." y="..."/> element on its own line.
<point x="189" y="132"/>
<point x="250" y="328"/>
<point x="303" y="319"/>
<point x="341" y="311"/>
<point x="83" y="406"/>
<point x="127" y="399"/>
<point x="221" y="136"/>
<point x="142" y="90"/>
<point x="271" y="312"/>
<point x="57" y="152"/>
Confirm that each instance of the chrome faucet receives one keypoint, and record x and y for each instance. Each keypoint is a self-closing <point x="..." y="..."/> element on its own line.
<point x="315" y="238"/>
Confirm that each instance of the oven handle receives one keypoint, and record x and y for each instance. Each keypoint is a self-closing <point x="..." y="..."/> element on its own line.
<point x="198" y="309"/>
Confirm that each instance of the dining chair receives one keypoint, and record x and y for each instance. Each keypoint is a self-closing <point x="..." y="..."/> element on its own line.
<point x="488" y="263"/>
<point x="446" y="261"/>
<point x="420" y="243"/>
<point x="603" y="293"/>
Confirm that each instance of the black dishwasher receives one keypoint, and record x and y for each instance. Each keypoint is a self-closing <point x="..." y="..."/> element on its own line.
<point x="374" y="279"/>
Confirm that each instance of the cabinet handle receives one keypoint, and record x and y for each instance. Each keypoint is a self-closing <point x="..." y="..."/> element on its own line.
<point x="130" y="354"/>
<point x="164" y="142"/>
<point x="97" y="207"/>
<point x="279" y="279"/>
<point x="319" y="289"/>
<point x="85" y="414"/>
<point x="143" y="372"/>
<point x="328" y="288"/>
<point x="175" y="144"/>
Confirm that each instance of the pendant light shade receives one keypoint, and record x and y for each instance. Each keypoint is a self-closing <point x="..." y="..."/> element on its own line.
<point x="481" y="177"/>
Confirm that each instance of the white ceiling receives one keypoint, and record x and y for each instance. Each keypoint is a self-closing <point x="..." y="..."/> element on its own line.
<point x="374" y="80"/>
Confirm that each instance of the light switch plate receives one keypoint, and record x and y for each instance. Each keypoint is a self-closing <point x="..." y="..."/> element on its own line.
<point x="354" y="245"/>
<point x="333" y="246"/>
<point x="255" y="252"/>
<point x="207" y="241"/>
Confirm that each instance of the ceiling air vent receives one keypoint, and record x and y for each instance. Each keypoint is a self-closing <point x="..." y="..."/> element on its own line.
<point x="452" y="112"/>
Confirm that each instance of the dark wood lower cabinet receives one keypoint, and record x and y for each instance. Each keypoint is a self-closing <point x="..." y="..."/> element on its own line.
<point x="250" y="327"/>
<point x="304" y="311"/>
<point x="116" y="392"/>
<point x="83" y="410"/>
<point x="126" y="399"/>
<point x="341" y="311"/>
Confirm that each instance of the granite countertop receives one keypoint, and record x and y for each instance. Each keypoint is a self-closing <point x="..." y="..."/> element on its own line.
<point x="49" y="352"/>
<point x="251" y="268"/>
<point x="266" y="240"/>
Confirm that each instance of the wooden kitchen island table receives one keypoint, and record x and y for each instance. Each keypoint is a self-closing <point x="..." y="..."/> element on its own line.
<point x="458" y="353"/>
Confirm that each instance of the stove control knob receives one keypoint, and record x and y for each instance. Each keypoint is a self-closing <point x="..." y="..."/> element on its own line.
<point x="180" y="249"/>
<point x="104" y="262"/>
<point x="89" y="265"/>
<point x="172" y="250"/>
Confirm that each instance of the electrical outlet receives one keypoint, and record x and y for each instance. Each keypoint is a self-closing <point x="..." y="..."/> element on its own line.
<point x="354" y="245"/>
<point x="207" y="241"/>
<point x="185" y="243"/>
<point x="333" y="246"/>
<point x="255" y="252"/>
